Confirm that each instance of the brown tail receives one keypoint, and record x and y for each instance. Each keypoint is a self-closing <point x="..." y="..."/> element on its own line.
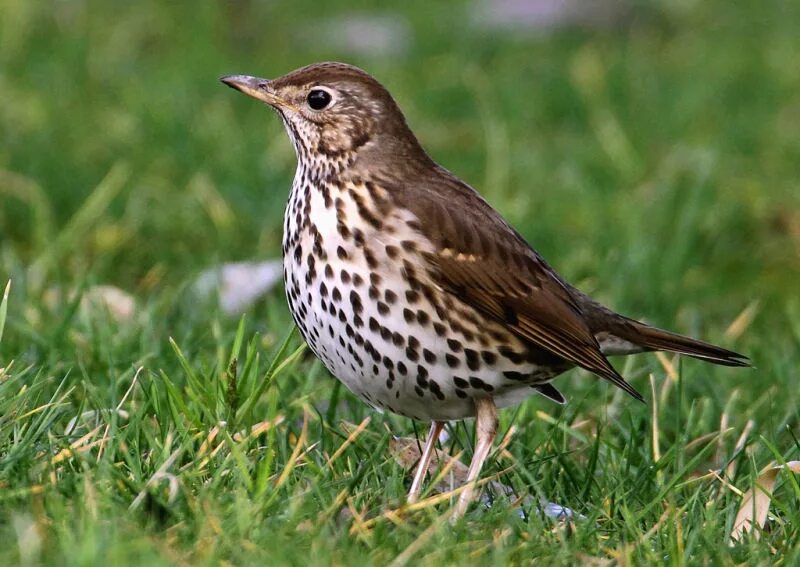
<point x="640" y="337"/>
<point x="658" y="339"/>
<point x="624" y="335"/>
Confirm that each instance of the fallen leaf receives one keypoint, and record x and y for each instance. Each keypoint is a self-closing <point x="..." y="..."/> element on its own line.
<point x="756" y="501"/>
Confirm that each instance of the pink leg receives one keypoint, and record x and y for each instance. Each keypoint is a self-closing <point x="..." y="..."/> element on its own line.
<point x="424" y="461"/>
<point x="485" y="430"/>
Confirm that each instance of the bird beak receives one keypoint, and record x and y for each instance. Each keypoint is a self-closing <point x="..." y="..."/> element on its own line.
<point x="259" y="89"/>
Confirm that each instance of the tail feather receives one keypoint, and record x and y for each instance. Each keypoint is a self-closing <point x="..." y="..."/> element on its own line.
<point x="618" y="334"/>
<point x="653" y="338"/>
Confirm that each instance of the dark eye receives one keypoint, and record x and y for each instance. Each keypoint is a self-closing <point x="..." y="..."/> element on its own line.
<point x="319" y="99"/>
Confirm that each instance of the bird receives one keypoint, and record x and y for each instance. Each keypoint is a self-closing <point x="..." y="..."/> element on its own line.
<point x="411" y="288"/>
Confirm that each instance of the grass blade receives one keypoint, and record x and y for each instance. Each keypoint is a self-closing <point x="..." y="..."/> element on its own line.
<point x="4" y="309"/>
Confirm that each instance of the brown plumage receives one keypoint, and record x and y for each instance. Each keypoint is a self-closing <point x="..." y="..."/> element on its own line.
<point x="410" y="287"/>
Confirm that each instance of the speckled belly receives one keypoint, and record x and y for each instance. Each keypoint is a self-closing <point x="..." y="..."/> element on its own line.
<point x="358" y="290"/>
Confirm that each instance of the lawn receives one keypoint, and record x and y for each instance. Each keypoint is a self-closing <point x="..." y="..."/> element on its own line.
<point x="652" y="159"/>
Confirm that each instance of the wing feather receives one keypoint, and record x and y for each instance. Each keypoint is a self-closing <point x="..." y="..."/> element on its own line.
<point x="486" y="264"/>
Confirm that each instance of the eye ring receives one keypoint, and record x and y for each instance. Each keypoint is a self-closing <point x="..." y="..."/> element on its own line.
<point x="319" y="98"/>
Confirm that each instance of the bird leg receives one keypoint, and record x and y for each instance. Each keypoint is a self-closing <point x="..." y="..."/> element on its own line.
<point x="424" y="461"/>
<point x="485" y="430"/>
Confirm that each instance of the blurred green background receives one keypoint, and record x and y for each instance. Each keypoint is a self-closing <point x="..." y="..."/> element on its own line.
<point x="649" y="150"/>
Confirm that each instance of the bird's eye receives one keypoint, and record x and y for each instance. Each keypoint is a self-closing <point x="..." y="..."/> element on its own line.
<point x="318" y="99"/>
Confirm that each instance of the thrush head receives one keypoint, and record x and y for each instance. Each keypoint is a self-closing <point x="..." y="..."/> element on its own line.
<point x="334" y="110"/>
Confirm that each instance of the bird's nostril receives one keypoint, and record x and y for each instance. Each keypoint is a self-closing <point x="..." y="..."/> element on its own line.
<point x="262" y="84"/>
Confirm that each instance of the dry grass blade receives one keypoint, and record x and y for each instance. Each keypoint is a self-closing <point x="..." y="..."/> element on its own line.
<point x="160" y="474"/>
<point x="581" y="432"/>
<point x="80" y="445"/>
<point x="724" y="420"/>
<point x="716" y="474"/>
<point x="208" y="441"/>
<point x="396" y="515"/>
<point x="350" y="439"/>
<point x="408" y="553"/>
<point x="4" y="309"/>
<point x="655" y="423"/>
<point x="296" y="452"/>
<point x="5" y="371"/>
<point x="742" y="322"/>
<point x="119" y="408"/>
<point x="740" y="444"/>
<point x="259" y="428"/>
<point x="703" y="439"/>
<point x="668" y="365"/>
<point x="669" y="513"/>
<point x="756" y="501"/>
<point x="502" y="447"/>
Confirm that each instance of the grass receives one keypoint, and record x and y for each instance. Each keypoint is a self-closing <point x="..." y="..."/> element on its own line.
<point x="653" y="163"/>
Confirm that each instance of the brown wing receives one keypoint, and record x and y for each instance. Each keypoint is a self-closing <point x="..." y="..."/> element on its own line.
<point x="480" y="259"/>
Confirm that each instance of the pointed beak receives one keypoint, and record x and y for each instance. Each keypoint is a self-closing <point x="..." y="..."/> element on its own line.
<point x="260" y="89"/>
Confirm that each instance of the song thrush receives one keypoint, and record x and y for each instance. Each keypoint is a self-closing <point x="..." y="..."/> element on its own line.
<point x="410" y="287"/>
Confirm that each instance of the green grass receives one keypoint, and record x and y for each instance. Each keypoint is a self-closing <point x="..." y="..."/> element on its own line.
<point x="654" y="164"/>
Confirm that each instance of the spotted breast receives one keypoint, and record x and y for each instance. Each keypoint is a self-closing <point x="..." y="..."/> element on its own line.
<point x="360" y="289"/>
